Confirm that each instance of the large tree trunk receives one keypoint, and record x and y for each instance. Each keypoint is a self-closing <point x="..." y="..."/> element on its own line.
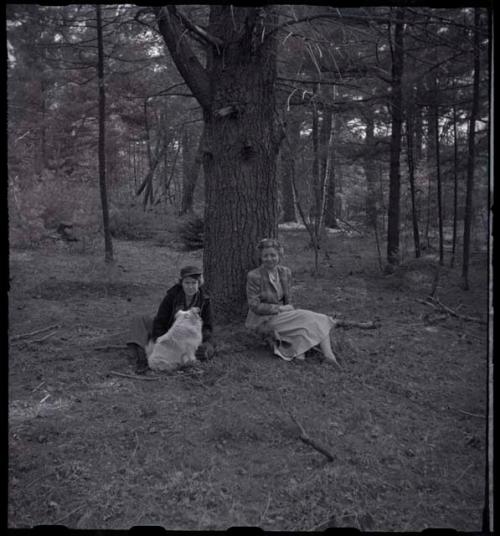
<point x="236" y="90"/>
<point x="470" y="156"/>
<point x="108" y="244"/>
<point x="239" y="159"/>
<point x="393" y="212"/>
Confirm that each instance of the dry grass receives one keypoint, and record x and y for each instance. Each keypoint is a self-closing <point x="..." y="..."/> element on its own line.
<point x="213" y="447"/>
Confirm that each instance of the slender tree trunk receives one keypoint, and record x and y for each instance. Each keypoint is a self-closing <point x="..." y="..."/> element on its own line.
<point x="326" y="162"/>
<point x="455" y="187"/>
<point x="370" y="171"/>
<point x="108" y="244"/>
<point x="411" y="176"/>
<point x="330" y="210"/>
<point x="191" y="172"/>
<point x="397" y="114"/>
<point x="470" y="156"/>
<point x="438" y="175"/>
<point x="334" y="179"/>
<point x="315" y="187"/>
<point x="418" y="128"/>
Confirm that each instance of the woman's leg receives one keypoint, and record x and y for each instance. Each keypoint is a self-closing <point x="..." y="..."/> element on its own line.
<point x="326" y="348"/>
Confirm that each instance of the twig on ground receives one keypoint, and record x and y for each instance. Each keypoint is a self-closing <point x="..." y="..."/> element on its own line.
<point x="264" y="513"/>
<point x="472" y="414"/>
<point x="462" y="474"/>
<point x="304" y="436"/>
<point x="43" y="338"/>
<point x="36" y="332"/>
<point x="38" y="386"/>
<point x="436" y="304"/>
<point x="44" y="399"/>
<point x="454" y="313"/>
<point x="69" y="514"/>
<point x="353" y="324"/>
<point x="136" y="445"/>
<point x="109" y="347"/>
<point x="132" y="376"/>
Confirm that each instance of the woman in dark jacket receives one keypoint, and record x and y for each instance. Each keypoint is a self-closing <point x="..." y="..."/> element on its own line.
<point x="187" y="293"/>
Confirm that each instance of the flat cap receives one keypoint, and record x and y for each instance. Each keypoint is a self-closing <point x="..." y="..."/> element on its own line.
<point x="189" y="271"/>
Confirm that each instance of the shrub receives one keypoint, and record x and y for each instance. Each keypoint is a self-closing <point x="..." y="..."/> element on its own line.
<point x="191" y="232"/>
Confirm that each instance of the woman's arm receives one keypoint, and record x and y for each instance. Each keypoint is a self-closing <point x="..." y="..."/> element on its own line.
<point x="253" y="297"/>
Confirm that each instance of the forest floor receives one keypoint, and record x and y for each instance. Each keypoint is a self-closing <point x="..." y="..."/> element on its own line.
<point x="215" y="446"/>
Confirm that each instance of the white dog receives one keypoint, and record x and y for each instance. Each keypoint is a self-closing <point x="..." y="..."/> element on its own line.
<point x="177" y="346"/>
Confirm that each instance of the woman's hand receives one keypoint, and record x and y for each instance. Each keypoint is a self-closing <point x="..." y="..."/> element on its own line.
<point x="283" y="308"/>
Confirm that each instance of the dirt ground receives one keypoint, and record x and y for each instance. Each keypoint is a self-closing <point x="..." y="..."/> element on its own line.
<point x="215" y="446"/>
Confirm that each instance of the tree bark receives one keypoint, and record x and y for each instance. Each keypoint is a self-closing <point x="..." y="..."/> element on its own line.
<point x="471" y="155"/>
<point x="236" y="91"/>
<point x="108" y="244"/>
<point x="287" y="167"/>
<point x="397" y="114"/>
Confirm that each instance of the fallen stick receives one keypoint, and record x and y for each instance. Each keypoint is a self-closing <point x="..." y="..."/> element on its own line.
<point x="305" y="438"/>
<point x="353" y="324"/>
<point x="131" y="376"/>
<point x="438" y="305"/>
<point x="36" y="332"/>
<point x="42" y="338"/>
<point x="472" y="414"/>
<point x="454" y="313"/>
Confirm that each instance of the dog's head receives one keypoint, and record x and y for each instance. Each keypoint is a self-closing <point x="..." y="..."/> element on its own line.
<point x="192" y="314"/>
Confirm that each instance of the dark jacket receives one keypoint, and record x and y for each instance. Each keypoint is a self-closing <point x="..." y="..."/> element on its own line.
<point x="173" y="302"/>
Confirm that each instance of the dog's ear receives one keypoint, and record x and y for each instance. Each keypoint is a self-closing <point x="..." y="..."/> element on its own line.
<point x="179" y="313"/>
<point x="196" y="310"/>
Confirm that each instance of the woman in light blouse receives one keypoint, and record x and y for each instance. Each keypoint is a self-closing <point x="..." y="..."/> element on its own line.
<point x="270" y="312"/>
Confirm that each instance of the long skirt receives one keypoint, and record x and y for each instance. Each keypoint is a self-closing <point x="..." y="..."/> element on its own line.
<point x="294" y="332"/>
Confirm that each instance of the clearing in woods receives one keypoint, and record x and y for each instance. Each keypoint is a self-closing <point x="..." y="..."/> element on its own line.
<point x="217" y="445"/>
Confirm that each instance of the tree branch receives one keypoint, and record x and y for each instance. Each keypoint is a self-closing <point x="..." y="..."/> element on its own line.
<point x="198" y="30"/>
<point x="182" y="54"/>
